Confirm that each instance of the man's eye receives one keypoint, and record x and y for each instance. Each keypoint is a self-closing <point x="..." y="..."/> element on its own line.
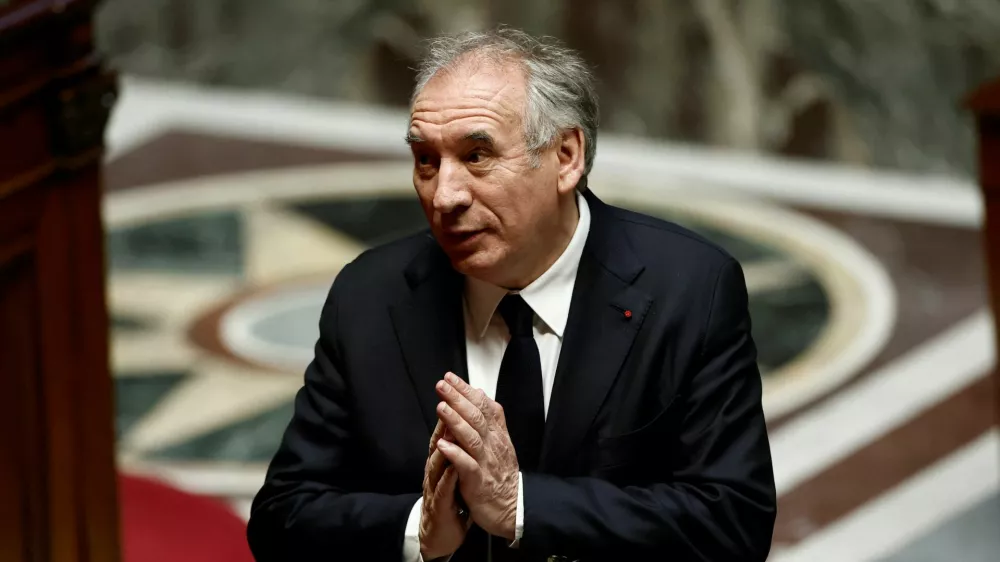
<point x="424" y="160"/>
<point x="476" y="157"/>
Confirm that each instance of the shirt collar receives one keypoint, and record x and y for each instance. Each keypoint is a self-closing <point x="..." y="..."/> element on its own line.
<point x="549" y="296"/>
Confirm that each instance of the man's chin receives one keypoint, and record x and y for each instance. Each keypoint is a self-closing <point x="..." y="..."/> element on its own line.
<point x="479" y="264"/>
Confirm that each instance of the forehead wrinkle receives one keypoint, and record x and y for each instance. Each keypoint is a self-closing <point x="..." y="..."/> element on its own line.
<point x="459" y="133"/>
<point x="450" y="117"/>
<point x="494" y="102"/>
<point x="464" y="119"/>
<point x="480" y="95"/>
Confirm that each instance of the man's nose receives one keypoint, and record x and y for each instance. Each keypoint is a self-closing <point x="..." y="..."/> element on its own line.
<point x="452" y="191"/>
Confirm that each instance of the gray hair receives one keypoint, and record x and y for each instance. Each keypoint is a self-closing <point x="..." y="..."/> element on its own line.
<point x="560" y="87"/>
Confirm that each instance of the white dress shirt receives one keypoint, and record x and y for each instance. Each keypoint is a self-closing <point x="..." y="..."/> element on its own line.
<point x="486" y="338"/>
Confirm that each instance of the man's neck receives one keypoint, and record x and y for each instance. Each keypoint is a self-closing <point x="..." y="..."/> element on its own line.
<point x="561" y="236"/>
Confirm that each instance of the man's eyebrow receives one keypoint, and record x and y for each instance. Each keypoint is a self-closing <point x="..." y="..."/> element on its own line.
<point x="477" y="136"/>
<point x="480" y="136"/>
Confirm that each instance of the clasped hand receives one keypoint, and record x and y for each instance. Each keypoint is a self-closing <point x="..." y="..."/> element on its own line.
<point x="472" y="436"/>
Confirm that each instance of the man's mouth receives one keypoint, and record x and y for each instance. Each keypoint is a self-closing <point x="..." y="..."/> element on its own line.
<point x="461" y="236"/>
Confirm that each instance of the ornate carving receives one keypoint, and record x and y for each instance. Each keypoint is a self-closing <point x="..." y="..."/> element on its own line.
<point x="78" y="115"/>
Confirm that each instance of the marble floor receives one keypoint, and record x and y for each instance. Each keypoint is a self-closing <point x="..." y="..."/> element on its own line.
<point x="228" y="215"/>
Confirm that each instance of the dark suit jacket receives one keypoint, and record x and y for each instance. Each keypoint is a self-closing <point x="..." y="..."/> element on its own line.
<point x="655" y="445"/>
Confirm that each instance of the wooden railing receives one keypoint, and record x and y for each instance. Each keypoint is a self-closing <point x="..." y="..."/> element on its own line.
<point x="985" y="103"/>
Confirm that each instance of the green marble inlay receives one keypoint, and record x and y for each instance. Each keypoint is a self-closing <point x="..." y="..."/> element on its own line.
<point x="137" y="395"/>
<point x="254" y="439"/>
<point x="371" y="220"/>
<point x="129" y="324"/>
<point x="787" y="321"/>
<point x="208" y="242"/>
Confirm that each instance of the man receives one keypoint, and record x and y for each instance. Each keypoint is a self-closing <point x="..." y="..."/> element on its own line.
<point x="541" y="374"/>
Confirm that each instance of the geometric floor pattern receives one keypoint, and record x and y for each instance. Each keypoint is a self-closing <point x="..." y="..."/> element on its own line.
<point x="228" y="215"/>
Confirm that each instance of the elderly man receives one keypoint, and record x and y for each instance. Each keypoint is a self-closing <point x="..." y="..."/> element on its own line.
<point x="539" y="375"/>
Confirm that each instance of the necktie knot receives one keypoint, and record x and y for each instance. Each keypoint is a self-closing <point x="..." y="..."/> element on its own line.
<point x="517" y="315"/>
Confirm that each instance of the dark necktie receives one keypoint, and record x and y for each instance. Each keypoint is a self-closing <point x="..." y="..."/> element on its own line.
<point x="519" y="388"/>
<point x="519" y="391"/>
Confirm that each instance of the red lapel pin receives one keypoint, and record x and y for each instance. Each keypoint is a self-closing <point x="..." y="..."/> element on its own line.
<point x="628" y="314"/>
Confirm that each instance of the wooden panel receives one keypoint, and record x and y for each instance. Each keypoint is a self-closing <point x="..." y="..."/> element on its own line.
<point x="24" y="67"/>
<point x="90" y="386"/>
<point x="991" y="232"/>
<point x="32" y="16"/>
<point x="25" y="145"/>
<point x="58" y="366"/>
<point x="24" y="141"/>
<point x="58" y="498"/>
<point x="987" y="103"/>
<point x="985" y="100"/>
<point x="989" y="154"/>
<point x="55" y="96"/>
<point x="19" y="216"/>
<point x="42" y="40"/>
<point x="22" y="458"/>
<point x="54" y="381"/>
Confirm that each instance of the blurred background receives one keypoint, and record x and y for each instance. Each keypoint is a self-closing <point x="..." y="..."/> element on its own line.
<point x="855" y="81"/>
<point x="257" y="148"/>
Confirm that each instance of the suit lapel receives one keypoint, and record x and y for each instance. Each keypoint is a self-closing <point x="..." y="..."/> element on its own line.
<point x="430" y="326"/>
<point x="605" y="315"/>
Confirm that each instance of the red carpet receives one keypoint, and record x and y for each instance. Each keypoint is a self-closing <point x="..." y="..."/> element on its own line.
<point x="163" y="524"/>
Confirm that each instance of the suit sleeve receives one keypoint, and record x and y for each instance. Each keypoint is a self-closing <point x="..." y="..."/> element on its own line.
<point x="718" y="500"/>
<point x="312" y="506"/>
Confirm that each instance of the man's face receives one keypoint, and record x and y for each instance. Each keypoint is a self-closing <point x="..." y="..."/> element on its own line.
<point x="490" y="209"/>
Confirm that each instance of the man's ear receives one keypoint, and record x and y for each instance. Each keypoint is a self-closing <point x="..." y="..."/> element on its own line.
<point x="571" y="159"/>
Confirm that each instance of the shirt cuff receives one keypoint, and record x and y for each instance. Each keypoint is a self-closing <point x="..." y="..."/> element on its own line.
<point x="411" y="537"/>
<point x="519" y="525"/>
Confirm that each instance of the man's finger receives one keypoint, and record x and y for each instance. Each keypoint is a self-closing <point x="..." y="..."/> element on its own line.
<point x="465" y="435"/>
<point x="466" y="466"/>
<point x="439" y="432"/>
<point x="464" y="388"/>
<point x="436" y="465"/>
<point x="497" y="415"/>
<point x="474" y="395"/>
<point x="445" y="491"/>
<point x="466" y="409"/>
